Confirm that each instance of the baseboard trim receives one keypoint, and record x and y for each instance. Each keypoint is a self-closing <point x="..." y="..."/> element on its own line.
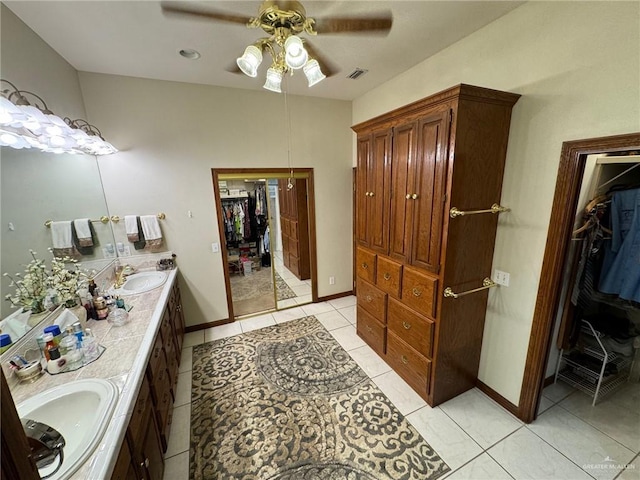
<point x="204" y="326"/>
<point x="548" y="381"/>
<point x="496" y="397"/>
<point x="335" y="296"/>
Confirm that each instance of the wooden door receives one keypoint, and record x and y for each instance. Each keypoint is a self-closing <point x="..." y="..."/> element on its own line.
<point x="379" y="192"/>
<point x="429" y="190"/>
<point x="362" y="192"/>
<point x="404" y="148"/>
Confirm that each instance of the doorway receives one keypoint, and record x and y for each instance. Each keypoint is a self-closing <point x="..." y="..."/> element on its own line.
<point x="570" y="176"/>
<point x="266" y="220"/>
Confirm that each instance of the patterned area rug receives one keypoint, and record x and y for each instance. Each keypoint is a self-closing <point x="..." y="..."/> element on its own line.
<point x="257" y="284"/>
<point x="288" y="403"/>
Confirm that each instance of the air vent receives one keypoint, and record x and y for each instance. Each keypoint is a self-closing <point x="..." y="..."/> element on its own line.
<point x="357" y="73"/>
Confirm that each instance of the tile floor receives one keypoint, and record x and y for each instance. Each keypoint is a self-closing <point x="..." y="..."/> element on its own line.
<point x="476" y="437"/>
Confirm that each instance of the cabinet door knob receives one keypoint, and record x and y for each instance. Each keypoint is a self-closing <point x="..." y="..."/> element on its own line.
<point x="404" y="359"/>
<point x="366" y="194"/>
<point x="415" y="196"/>
<point x="416" y="292"/>
<point x="369" y="329"/>
<point x="368" y="298"/>
<point x="407" y="196"/>
<point x="365" y="266"/>
<point x="145" y="464"/>
<point x="406" y="325"/>
<point x="179" y="308"/>
<point x="387" y="276"/>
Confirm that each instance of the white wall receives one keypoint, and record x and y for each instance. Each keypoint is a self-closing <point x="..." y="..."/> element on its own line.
<point x="577" y="67"/>
<point x="171" y="135"/>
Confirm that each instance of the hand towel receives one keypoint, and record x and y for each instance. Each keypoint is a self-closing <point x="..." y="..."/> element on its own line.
<point x="131" y="227"/>
<point x="62" y="239"/>
<point x="83" y="232"/>
<point x="141" y="243"/>
<point x="151" y="231"/>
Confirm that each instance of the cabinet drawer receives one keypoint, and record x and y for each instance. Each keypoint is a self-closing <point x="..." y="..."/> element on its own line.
<point x="366" y="265"/>
<point x="388" y="276"/>
<point x="408" y="363"/>
<point x="293" y="230"/>
<point x="414" y="329"/>
<point x="372" y="300"/>
<point x="371" y="331"/>
<point x="419" y="291"/>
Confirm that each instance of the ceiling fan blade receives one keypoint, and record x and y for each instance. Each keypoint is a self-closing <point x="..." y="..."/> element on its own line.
<point x="174" y="8"/>
<point x="380" y="24"/>
<point x="326" y="66"/>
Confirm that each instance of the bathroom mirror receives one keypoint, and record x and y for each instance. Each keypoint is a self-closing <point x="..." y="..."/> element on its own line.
<point x="37" y="187"/>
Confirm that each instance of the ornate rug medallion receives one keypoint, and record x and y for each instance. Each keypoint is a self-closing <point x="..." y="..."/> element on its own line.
<point x="288" y="403"/>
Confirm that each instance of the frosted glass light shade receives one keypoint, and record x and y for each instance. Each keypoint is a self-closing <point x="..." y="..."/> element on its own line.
<point x="250" y="61"/>
<point x="313" y="73"/>
<point x="10" y="113"/>
<point x="295" y="54"/>
<point x="274" y="80"/>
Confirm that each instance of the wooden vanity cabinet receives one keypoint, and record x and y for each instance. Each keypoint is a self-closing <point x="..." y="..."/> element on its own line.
<point x="141" y="455"/>
<point x="447" y="150"/>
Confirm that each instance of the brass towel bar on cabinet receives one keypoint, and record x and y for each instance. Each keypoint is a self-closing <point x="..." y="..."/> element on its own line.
<point x="116" y="218"/>
<point x="486" y="283"/>
<point x="495" y="208"/>
<point x="103" y="219"/>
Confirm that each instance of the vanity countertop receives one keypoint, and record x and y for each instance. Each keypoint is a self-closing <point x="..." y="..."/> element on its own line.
<point x="124" y="361"/>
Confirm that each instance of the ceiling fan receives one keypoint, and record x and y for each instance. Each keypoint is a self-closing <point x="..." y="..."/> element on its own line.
<point x="283" y="22"/>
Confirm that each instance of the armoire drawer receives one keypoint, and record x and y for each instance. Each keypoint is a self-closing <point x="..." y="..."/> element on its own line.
<point x="366" y="265"/>
<point x="388" y="276"/>
<point x="408" y="363"/>
<point x="374" y="301"/>
<point x="371" y="331"/>
<point x="411" y="327"/>
<point x="419" y="291"/>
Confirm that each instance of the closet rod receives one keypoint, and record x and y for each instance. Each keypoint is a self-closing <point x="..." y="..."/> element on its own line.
<point x="495" y="208"/>
<point x="486" y="283"/>
<point x="103" y="219"/>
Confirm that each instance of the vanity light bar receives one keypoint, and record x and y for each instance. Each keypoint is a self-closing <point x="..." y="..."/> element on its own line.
<point x="24" y="125"/>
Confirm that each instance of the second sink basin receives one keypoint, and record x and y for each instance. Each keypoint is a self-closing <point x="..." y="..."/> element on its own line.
<point x="141" y="282"/>
<point x="80" y="411"/>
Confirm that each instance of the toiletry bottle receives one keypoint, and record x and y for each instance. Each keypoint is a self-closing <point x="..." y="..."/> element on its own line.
<point x="49" y="345"/>
<point x="89" y="346"/>
<point x="55" y="331"/>
<point x="56" y="362"/>
<point x="101" y="308"/>
<point x="5" y="342"/>
<point x="92" y="287"/>
<point x="79" y="333"/>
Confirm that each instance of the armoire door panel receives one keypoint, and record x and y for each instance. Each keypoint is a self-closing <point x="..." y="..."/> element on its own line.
<point x="428" y="204"/>
<point x="404" y="145"/>
<point x="362" y="194"/>
<point x="379" y="192"/>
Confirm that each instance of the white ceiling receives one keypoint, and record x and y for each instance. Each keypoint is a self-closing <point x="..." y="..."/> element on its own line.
<point x="134" y="38"/>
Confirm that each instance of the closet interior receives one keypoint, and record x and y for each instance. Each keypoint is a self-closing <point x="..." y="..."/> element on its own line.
<point x="598" y="324"/>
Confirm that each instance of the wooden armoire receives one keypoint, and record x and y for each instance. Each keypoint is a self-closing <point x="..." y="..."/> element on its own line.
<point x="414" y="165"/>
<point x="294" y="221"/>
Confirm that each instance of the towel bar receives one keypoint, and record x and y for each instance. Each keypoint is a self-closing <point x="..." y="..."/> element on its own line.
<point x="495" y="208"/>
<point x="103" y="219"/>
<point x="116" y="218"/>
<point x="486" y="283"/>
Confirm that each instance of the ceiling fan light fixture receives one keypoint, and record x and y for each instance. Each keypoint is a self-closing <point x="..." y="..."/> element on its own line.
<point x="274" y="80"/>
<point x="295" y="54"/>
<point x="313" y="73"/>
<point x="250" y="61"/>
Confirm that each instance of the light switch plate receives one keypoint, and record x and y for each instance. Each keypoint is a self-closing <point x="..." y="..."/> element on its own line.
<point x="501" y="278"/>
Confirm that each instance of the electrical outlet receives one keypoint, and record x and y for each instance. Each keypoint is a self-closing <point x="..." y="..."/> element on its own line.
<point x="332" y="280"/>
<point x="215" y="248"/>
<point x="501" y="278"/>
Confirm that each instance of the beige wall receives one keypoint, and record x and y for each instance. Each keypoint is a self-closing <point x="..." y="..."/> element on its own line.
<point x="171" y="135"/>
<point x="577" y="67"/>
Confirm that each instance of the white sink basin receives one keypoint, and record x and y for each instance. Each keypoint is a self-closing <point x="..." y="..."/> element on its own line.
<point x="80" y="411"/>
<point x="141" y="282"/>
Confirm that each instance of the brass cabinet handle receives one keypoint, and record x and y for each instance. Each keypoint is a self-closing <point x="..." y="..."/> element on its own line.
<point x="387" y="276"/>
<point x="415" y="196"/>
<point x="406" y="325"/>
<point x="416" y="292"/>
<point x="368" y="298"/>
<point x="371" y="194"/>
<point x="407" y="196"/>
<point x="404" y="359"/>
<point x="366" y="194"/>
<point x="365" y="266"/>
<point x="145" y="464"/>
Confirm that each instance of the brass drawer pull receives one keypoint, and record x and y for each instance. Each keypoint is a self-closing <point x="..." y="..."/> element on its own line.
<point x="404" y="359"/>
<point x="387" y="276"/>
<point x="371" y="194"/>
<point x="416" y="292"/>
<point x="406" y="325"/>
<point x="415" y="196"/>
<point x="407" y="196"/>
<point x="365" y="266"/>
<point x="368" y="298"/>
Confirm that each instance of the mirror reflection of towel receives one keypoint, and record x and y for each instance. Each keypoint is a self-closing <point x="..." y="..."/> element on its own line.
<point x="80" y="249"/>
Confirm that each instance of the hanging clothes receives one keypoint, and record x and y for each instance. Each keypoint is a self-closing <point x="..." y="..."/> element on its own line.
<point x="621" y="267"/>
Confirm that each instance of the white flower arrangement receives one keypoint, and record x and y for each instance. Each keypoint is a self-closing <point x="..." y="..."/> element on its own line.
<point x="36" y="285"/>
